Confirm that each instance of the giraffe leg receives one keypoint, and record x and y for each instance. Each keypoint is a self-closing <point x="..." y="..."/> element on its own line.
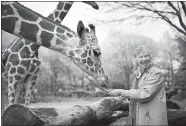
<point x="17" y="93"/>
<point x="30" y="88"/>
<point x="12" y="87"/>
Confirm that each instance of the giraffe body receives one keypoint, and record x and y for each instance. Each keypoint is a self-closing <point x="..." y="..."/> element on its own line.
<point x="50" y="35"/>
<point x="22" y="67"/>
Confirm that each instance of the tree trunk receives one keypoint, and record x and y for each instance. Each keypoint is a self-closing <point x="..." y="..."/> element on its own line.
<point x="101" y="113"/>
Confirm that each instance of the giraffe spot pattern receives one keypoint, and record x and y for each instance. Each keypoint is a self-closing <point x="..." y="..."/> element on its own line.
<point x="31" y="88"/>
<point x="25" y="14"/>
<point x="15" y="85"/>
<point x="60" y="6"/>
<point x="12" y="101"/>
<point x="14" y="59"/>
<point x="56" y="13"/>
<point x="20" y="70"/>
<point x="60" y="30"/>
<point x="31" y="33"/>
<point x="83" y="60"/>
<point x="34" y="47"/>
<point x="11" y="95"/>
<point x="46" y="38"/>
<point x="35" y="77"/>
<point x="25" y="53"/>
<point x="89" y="52"/>
<point x="59" y="42"/>
<point x="47" y="25"/>
<point x="8" y="66"/>
<point x="63" y="37"/>
<point x="37" y="62"/>
<point x="62" y="15"/>
<point x="25" y="63"/>
<point x="89" y="61"/>
<point x="33" y="84"/>
<point x="69" y="35"/>
<point x="92" y="70"/>
<point x="32" y="68"/>
<point x="9" y="24"/>
<point x="17" y="46"/>
<point x="84" y="54"/>
<point x="12" y="70"/>
<point x="27" y="42"/>
<point x="67" y="6"/>
<point x="71" y="53"/>
<point x="10" y="79"/>
<point x="102" y="70"/>
<point x="7" y="10"/>
<point x="50" y="17"/>
<point x="17" y="77"/>
<point x="10" y="88"/>
<point x="36" y="70"/>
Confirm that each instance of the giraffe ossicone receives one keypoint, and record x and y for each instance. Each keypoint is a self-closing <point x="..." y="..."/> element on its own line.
<point x="44" y="32"/>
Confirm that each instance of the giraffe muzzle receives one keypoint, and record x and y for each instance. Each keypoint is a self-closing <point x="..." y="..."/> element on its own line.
<point x="103" y="80"/>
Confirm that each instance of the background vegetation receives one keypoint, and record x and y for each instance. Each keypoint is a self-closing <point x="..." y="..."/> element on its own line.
<point x="60" y="77"/>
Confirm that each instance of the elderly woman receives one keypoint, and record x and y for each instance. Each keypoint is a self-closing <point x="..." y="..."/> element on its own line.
<point x="147" y="96"/>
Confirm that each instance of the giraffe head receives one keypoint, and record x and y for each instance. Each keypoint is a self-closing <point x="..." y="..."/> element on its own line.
<point x="92" y="3"/>
<point x="87" y="53"/>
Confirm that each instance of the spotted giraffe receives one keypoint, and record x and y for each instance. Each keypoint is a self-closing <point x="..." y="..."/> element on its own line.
<point x="57" y="15"/>
<point x="28" y="52"/>
<point x="85" y="52"/>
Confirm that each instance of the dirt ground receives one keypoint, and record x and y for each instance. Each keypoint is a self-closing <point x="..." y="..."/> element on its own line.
<point x="66" y="102"/>
<point x="57" y="102"/>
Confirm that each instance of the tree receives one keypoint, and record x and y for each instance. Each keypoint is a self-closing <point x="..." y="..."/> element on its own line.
<point x="174" y="13"/>
<point x="120" y="55"/>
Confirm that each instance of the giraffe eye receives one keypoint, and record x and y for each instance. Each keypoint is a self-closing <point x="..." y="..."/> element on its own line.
<point x="96" y="53"/>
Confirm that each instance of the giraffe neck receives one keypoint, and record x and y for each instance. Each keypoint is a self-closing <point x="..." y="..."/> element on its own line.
<point x="61" y="11"/>
<point x="17" y="19"/>
<point x="58" y="15"/>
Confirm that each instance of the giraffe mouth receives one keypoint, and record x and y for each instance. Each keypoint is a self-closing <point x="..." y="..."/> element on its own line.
<point x="101" y="79"/>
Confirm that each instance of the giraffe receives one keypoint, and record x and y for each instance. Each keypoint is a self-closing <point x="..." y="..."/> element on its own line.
<point x="82" y="48"/>
<point x="63" y="7"/>
<point x="32" y="54"/>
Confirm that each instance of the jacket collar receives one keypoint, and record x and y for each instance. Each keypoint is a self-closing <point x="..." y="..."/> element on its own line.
<point x="142" y="71"/>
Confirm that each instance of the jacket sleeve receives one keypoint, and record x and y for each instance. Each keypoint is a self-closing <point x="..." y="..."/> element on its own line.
<point x="149" y="89"/>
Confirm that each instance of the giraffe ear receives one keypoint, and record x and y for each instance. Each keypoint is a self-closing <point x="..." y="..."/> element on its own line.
<point x="80" y="29"/>
<point x="92" y="28"/>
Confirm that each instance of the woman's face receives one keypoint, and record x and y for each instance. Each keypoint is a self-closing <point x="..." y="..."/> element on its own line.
<point x="143" y="59"/>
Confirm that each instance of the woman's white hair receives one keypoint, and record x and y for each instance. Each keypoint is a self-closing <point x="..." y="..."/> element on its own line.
<point x="142" y="49"/>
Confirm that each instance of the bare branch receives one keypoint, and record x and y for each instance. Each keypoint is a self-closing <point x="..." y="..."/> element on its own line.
<point x="173" y="7"/>
<point x="179" y="15"/>
<point x="171" y="23"/>
<point x="178" y="7"/>
<point x="166" y="18"/>
<point x="183" y="6"/>
<point x="159" y="14"/>
<point x="181" y="41"/>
